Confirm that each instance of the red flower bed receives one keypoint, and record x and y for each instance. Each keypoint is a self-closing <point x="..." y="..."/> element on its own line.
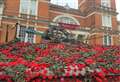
<point x="25" y="62"/>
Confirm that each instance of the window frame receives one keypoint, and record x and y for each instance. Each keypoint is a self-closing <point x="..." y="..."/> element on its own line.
<point x="1" y="9"/>
<point x="29" y="8"/>
<point x="26" y="37"/>
<point x="108" y="40"/>
<point x="106" y="3"/>
<point x="107" y="22"/>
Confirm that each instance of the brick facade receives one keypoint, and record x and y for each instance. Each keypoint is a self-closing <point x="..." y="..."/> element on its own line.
<point x="89" y="14"/>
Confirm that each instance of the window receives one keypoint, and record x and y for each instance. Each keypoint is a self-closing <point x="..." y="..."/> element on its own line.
<point x="70" y="3"/>
<point x="106" y="20"/>
<point x="22" y="33"/>
<point x="24" y="36"/>
<point x="28" y="7"/>
<point x="33" y="7"/>
<point x="107" y="40"/>
<point x="24" y="6"/>
<point x="106" y="3"/>
<point x="1" y="8"/>
<point x="30" y="35"/>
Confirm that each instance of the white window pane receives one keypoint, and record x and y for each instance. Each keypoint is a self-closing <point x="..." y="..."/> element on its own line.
<point x="106" y="20"/>
<point x="30" y="37"/>
<point x="22" y="33"/>
<point x="24" y="5"/>
<point x="33" y="7"/>
<point x="1" y="9"/>
<point x="107" y="40"/>
<point x="106" y="3"/>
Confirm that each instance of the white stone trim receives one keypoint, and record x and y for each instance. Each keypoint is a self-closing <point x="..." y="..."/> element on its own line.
<point x="74" y="14"/>
<point x="69" y="16"/>
<point x="36" y="12"/>
<point x="79" y="4"/>
<point x="26" y="34"/>
<point x="34" y="39"/>
<point x="18" y="30"/>
<point x="43" y="1"/>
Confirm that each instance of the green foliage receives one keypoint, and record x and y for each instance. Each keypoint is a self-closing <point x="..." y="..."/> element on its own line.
<point x="3" y="58"/>
<point x="58" y="68"/>
<point x="47" y="59"/>
<point x="29" y="57"/>
<point x="87" y="54"/>
<point x="17" y="72"/>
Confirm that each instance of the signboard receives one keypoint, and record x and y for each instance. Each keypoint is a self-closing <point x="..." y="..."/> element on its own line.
<point x="69" y="26"/>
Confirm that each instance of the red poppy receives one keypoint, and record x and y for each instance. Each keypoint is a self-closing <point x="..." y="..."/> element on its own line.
<point x="98" y="79"/>
<point x="89" y="61"/>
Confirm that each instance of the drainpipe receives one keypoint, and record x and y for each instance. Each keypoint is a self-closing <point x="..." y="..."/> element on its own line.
<point x="16" y="27"/>
<point x="7" y="32"/>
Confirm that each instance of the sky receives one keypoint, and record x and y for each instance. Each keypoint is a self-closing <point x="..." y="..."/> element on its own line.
<point x="70" y="3"/>
<point x="118" y="8"/>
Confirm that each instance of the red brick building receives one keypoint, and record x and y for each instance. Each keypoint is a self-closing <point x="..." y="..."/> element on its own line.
<point x="96" y="19"/>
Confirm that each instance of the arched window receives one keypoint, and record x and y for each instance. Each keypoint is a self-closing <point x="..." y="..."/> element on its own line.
<point x="66" y="19"/>
<point x="70" y="3"/>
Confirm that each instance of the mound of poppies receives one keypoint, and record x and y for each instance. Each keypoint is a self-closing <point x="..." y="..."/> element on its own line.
<point x="49" y="62"/>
